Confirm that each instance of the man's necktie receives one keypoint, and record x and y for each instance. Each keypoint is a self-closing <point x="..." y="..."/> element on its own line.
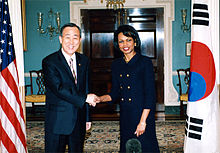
<point x="72" y="70"/>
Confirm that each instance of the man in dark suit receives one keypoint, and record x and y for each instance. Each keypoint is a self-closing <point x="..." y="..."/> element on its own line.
<point x="67" y="94"/>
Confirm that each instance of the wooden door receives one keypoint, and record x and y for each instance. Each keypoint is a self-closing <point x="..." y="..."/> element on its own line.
<point x="98" y="27"/>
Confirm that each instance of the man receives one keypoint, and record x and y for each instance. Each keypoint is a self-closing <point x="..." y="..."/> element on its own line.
<point x="67" y="87"/>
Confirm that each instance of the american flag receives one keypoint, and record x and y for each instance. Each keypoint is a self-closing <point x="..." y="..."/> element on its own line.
<point x="12" y="123"/>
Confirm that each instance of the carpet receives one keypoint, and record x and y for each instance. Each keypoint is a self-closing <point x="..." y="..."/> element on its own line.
<point x="104" y="136"/>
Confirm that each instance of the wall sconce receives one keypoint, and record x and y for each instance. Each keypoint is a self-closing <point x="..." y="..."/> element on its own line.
<point x="184" y="26"/>
<point x="50" y="29"/>
<point x="115" y="4"/>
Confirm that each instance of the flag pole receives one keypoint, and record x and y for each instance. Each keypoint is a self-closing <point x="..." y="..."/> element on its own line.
<point x="16" y="21"/>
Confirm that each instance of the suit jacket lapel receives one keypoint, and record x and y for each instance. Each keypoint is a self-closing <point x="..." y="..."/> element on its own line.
<point x="79" y="69"/>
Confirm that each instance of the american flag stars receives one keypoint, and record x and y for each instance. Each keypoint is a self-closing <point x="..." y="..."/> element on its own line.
<point x="6" y="40"/>
<point x="3" y="31"/>
<point x="1" y="52"/>
<point x="2" y="41"/>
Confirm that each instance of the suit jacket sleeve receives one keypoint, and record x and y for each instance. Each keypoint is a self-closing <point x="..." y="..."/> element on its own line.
<point x="115" y="85"/>
<point x="88" y="89"/>
<point x="149" y="85"/>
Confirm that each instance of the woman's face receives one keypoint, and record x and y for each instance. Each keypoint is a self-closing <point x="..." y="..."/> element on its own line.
<point x="126" y="44"/>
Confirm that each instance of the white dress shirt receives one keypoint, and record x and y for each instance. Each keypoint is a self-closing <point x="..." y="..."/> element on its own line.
<point x="67" y="57"/>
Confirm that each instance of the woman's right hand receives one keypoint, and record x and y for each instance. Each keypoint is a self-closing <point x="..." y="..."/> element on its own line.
<point x="105" y="98"/>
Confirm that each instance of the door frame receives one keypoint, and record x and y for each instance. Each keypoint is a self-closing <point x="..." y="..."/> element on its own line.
<point x="170" y="94"/>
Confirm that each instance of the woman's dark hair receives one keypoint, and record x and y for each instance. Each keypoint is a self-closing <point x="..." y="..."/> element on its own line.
<point x="69" y="25"/>
<point x="128" y="31"/>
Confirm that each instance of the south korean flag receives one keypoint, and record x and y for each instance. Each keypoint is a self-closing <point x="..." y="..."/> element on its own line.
<point x="202" y="131"/>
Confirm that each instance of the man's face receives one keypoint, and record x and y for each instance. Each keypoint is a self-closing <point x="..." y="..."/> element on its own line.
<point x="70" y="40"/>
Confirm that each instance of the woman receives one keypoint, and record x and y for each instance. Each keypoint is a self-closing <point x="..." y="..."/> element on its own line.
<point x="133" y="84"/>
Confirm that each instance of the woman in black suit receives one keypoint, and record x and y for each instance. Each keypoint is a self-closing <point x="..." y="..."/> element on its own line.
<point x="133" y="84"/>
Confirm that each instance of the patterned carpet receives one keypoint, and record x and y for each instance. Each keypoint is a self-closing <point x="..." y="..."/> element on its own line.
<point x="104" y="137"/>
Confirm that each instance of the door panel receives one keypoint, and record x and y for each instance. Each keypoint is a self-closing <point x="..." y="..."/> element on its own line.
<point x="148" y="44"/>
<point x="102" y="45"/>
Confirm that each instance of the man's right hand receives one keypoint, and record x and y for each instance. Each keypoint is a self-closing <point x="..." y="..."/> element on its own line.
<point x="92" y="99"/>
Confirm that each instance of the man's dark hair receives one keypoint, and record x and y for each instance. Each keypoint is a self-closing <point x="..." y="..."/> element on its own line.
<point x="69" y="25"/>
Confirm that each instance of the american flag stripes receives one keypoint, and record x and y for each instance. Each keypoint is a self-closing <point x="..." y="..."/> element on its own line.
<point x="202" y="133"/>
<point x="12" y="122"/>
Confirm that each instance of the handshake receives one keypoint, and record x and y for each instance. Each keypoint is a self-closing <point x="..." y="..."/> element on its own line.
<point x="92" y="99"/>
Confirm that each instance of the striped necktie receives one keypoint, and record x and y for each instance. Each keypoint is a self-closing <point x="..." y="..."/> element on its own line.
<point x="72" y="70"/>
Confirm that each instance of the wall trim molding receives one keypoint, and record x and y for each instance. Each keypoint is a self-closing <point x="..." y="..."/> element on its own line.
<point x="170" y="94"/>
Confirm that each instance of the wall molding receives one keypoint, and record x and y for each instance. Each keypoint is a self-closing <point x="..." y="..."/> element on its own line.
<point x="170" y="94"/>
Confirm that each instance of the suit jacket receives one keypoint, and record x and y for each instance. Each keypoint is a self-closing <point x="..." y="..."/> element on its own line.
<point x="64" y="99"/>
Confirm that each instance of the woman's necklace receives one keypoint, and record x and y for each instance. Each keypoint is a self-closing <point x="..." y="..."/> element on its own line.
<point x="126" y="60"/>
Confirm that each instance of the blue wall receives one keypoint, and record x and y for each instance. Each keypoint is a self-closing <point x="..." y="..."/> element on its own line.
<point x="40" y="46"/>
<point x="180" y="60"/>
